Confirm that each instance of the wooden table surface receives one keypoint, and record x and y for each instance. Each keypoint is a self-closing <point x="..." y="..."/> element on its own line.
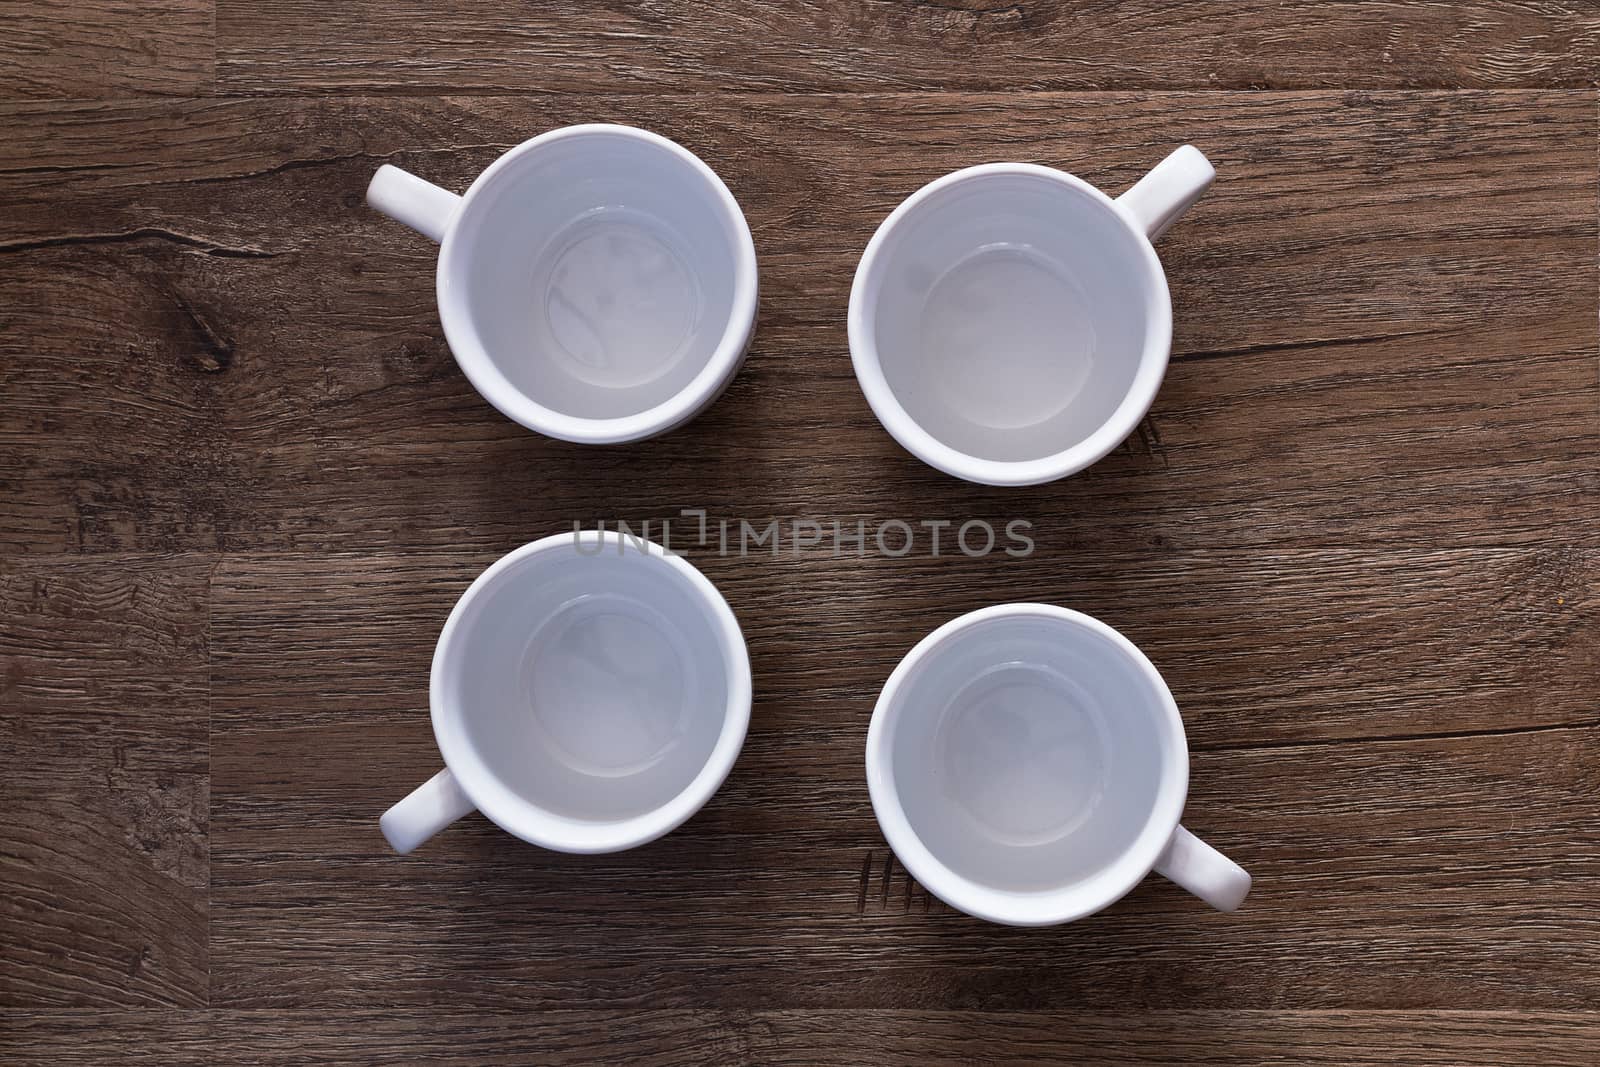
<point x="242" y="481"/>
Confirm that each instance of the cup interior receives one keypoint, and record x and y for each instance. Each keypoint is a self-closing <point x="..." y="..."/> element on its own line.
<point x="601" y="270"/>
<point x="1031" y="755"/>
<point x="591" y="688"/>
<point x="1009" y="309"/>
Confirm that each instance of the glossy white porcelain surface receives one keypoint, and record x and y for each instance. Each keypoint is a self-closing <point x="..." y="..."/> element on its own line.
<point x="1010" y="324"/>
<point x="1027" y="764"/>
<point x="589" y="694"/>
<point x="596" y="283"/>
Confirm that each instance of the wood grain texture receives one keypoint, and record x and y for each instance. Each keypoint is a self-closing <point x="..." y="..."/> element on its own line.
<point x="628" y="45"/>
<point x="1385" y="325"/>
<point x="1446" y="860"/>
<point x="1260" y="649"/>
<point x="1162" y="1038"/>
<point x="103" y="864"/>
<point x="242" y="481"/>
<point x="56" y="49"/>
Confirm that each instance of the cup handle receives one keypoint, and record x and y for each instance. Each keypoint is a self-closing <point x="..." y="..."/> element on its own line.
<point x="429" y="808"/>
<point x="1161" y="197"/>
<point x="406" y="198"/>
<point x="1203" y="871"/>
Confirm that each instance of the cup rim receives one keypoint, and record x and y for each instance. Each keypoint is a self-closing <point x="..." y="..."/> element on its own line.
<point x="534" y="824"/>
<point x="487" y="378"/>
<point x="1014" y="907"/>
<point x="924" y="445"/>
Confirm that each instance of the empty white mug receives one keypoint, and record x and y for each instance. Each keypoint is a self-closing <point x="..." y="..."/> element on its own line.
<point x="1010" y="324"/>
<point x="1028" y="766"/>
<point x="589" y="693"/>
<point x="596" y="284"/>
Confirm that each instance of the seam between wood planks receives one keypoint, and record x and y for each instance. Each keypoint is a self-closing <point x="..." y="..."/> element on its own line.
<point x="1378" y="739"/>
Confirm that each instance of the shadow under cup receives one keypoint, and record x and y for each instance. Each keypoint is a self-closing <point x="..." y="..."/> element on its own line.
<point x="594" y="697"/>
<point x="602" y="272"/>
<point x="1037" y="766"/>
<point x="1011" y="314"/>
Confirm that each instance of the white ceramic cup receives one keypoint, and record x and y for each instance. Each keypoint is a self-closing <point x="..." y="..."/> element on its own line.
<point x="1028" y="766"/>
<point x="1010" y="324"/>
<point x="596" y="284"/>
<point x="589" y="693"/>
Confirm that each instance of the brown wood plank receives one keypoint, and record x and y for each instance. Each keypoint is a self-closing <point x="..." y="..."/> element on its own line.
<point x="106" y="48"/>
<point x="711" y="1038"/>
<point x="626" y="45"/>
<point x="103" y="846"/>
<point x="1265" y="648"/>
<point x="1385" y="324"/>
<point x="1413" y="871"/>
<point x="1409" y="874"/>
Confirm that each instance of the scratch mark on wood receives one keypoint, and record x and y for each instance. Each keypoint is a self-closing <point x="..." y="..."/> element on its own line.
<point x="145" y="233"/>
<point x="866" y="876"/>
